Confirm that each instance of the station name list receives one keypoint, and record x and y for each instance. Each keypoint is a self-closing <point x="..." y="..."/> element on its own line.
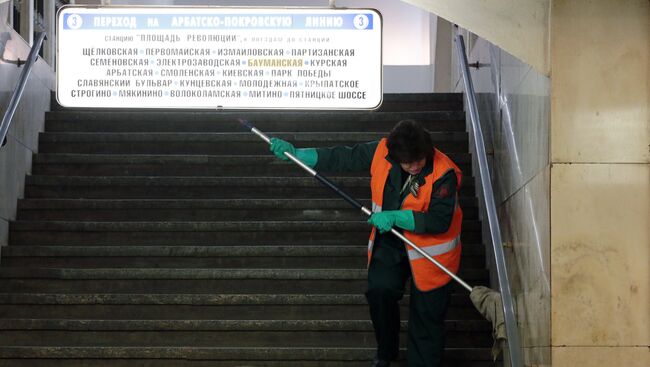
<point x="293" y="61"/>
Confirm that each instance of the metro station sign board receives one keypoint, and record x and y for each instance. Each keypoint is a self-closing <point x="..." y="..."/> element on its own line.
<point x="224" y="58"/>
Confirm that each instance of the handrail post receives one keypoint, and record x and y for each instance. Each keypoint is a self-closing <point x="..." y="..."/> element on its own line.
<point x="20" y="87"/>
<point x="514" y="346"/>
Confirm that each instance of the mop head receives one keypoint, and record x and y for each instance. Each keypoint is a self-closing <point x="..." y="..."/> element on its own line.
<point x="488" y="303"/>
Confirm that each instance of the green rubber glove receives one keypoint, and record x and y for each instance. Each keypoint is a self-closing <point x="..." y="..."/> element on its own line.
<point x="279" y="146"/>
<point x="384" y="221"/>
<point x="308" y="156"/>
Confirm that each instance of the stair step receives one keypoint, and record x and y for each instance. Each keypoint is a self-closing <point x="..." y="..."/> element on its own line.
<point x="197" y="187"/>
<point x="138" y="238"/>
<point x="221" y="204"/>
<point x="188" y="214"/>
<point x="227" y="357"/>
<point x="311" y="257"/>
<point x="201" y="251"/>
<point x="215" y="143"/>
<point x="146" y="306"/>
<point x="179" y="165"/>
<point x="235" y="137"/>
<point x="200" y="274"/>
<point x="167" y="159"/>
<point x="175" y="280"/>
<point x="221" y="226"/>
<point x="225" y="333"/>
<point x="199" y="210"/>
<point x="155" y="239"/>
<point x="218" y="325"/>
<point x="201" y="233"/>
<point x="197" y="121"/>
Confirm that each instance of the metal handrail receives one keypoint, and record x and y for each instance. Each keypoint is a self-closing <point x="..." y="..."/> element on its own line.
<point x="20" y="87"/>
<point x="512" y="333"/>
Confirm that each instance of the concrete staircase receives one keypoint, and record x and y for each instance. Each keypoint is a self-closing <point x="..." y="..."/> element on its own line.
<point x="174" y="238"/>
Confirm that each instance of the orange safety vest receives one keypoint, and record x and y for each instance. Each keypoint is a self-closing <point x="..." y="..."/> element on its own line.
<point x="443" y="247"/>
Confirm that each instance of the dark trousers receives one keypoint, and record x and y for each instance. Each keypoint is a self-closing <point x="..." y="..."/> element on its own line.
<point x="389" y="270"/>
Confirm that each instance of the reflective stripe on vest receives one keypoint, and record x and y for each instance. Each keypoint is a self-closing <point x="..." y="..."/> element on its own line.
<point x="435" y="250"/>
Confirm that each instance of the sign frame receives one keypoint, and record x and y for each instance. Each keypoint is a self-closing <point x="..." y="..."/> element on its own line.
<point x="297" y="68"/>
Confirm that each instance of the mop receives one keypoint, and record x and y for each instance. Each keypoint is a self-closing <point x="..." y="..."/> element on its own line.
<point x="487" y="301"/>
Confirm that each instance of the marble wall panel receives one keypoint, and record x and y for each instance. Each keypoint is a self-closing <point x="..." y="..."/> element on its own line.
<point x="514" y="105"/>
<point x="9" y="178"/>
<point x="522" y="142"/>
<point x="525" y="222"/>
<point x="4" y="233"/>
<point x="30" y="117"/>
<point x="22" y="137"/>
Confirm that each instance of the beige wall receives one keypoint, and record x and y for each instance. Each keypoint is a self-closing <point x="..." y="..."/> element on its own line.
<point x="600" y="183"/>
<point x="601" y="81"/>
<point x="519" y="27"/>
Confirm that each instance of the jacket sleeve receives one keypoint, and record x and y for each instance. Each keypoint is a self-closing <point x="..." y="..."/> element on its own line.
<point x="440" y="213"/>
<point x="346" y="158"/>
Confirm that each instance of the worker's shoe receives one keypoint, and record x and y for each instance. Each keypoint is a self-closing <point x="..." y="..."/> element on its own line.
<point x="376" y="362"/>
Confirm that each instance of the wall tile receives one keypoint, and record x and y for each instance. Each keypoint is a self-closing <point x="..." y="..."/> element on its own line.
<point x="513" y="101"/>
<point x="583" y="356"/>
<point x="599" y="255"/>
<point x="601" y="85"/>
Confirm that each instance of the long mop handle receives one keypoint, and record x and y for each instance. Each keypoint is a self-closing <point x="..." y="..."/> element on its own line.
<point x="354" y="203"/>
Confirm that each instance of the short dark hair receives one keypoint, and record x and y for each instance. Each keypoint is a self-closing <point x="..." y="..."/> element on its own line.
<point x="409" y="142"/>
